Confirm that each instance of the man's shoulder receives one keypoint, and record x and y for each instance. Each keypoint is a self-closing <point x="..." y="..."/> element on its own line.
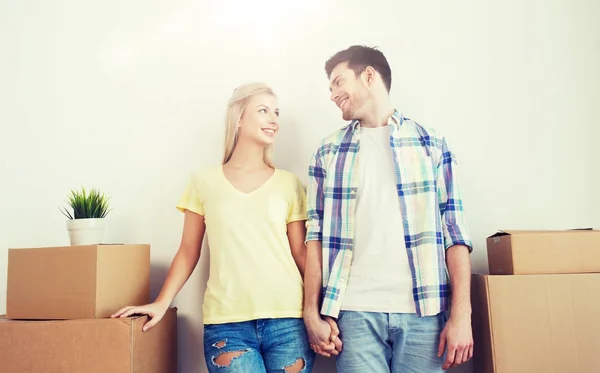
<point x="424" y="130"/>
<point x="431" y="135"/>
<point x="331" y="142"/>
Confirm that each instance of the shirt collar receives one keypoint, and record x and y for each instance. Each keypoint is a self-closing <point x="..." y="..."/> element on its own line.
<point x="395" y="120"/>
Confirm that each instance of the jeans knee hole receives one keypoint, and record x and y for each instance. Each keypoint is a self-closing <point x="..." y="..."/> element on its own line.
<point x="297" y="367"/>
<point x="225" y="359"/>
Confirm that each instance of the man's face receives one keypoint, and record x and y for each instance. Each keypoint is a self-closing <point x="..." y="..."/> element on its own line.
<point x="348" y="91"/>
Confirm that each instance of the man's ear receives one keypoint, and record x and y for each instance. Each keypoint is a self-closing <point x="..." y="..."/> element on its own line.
<point x="369" y="75"/>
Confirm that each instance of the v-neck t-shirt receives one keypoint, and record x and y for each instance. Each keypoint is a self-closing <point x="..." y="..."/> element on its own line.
<point x="252" y="272"/>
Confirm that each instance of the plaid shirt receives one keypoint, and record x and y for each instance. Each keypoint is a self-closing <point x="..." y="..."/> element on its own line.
<point x="432" y="211"/>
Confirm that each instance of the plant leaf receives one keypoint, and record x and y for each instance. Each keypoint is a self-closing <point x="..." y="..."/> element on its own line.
<point x="87" y="204"/>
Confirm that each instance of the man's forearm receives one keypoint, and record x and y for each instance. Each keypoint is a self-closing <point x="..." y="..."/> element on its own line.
<point x="458" y="261"/>
<point x="312" y="279"/>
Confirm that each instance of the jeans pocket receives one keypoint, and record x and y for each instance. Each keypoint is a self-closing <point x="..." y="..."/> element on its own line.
<point x="443" y="319"/>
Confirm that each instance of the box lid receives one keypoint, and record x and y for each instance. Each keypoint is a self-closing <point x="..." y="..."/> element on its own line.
<point x="514" y="232"/>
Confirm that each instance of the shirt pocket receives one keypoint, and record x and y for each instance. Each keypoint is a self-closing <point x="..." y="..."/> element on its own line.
<point x="416" y="169"/>
<point x="277" y="210"/>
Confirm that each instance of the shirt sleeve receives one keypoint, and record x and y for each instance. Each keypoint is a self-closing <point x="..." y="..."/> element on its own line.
<point x="451" y="205"/>
<point x="315" y="198"/>
<point x="297" y="205"/>
<point x="192" y="197"/>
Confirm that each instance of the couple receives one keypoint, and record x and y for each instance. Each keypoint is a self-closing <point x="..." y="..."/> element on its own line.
<point x="371" y="265"/>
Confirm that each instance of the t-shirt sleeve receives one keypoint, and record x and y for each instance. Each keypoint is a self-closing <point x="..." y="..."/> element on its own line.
<point x="297" y="205"/>
<point x="192" y="198"/>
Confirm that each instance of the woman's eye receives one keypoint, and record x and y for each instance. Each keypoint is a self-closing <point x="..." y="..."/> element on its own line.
<point x="263" y="111"/>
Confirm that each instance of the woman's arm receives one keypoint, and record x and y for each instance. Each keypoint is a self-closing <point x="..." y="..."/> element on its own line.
<point x="296" y="232"/>
<point x="186" y="258"/>
<point x="180" y="271"/>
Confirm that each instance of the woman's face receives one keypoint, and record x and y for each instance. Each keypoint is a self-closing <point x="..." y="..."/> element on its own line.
<point x="260" y="120"/>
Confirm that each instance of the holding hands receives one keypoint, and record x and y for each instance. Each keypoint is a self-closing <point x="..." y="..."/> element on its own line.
<point x="323" y="335"/>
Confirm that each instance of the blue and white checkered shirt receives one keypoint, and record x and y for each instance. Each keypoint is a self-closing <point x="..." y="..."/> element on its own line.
<point x="432" y="209"/>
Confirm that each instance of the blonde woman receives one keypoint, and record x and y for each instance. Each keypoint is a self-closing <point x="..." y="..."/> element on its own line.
<point x="254" y="216"/>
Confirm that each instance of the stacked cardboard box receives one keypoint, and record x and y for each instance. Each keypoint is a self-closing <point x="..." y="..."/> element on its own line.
<point x="537" y="310"/>
<point x="58" y="307"/>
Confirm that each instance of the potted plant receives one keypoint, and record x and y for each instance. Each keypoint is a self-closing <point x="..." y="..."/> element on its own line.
<point x="86" y="222"/>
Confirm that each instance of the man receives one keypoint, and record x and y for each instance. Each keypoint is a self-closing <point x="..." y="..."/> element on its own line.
<point x="388" y="250"/>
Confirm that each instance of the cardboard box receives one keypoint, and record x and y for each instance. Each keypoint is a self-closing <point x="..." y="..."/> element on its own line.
<point x="76" y="282"/>
<point x="89" y="346"/>
<point x="544" y="252"/>
<point x="536" y="323"/>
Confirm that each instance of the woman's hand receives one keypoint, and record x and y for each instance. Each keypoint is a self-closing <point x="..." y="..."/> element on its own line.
<point x="155" y="310"/>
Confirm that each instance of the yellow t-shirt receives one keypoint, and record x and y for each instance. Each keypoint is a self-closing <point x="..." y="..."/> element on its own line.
<point x="252" y="272"/>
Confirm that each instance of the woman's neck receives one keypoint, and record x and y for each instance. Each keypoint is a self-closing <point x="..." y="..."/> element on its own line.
<point x="247" y="156"/>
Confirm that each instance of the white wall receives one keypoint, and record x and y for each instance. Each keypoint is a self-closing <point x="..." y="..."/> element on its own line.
<point x="129" y="96"/>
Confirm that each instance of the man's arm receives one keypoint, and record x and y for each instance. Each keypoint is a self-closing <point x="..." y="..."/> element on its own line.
<point x="458" y="261"/>
<point x="313" y="280"/>
<point x="314" y="235"/>
<point x="457" y="336"/>
<point x="321" y="333"/>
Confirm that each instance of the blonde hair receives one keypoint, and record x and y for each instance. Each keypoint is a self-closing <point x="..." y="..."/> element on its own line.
<point x="235" y="109"/>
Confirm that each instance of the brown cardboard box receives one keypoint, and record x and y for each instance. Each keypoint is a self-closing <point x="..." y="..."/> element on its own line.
<point x="76" y="282"/>
<point x="544" y="252"/>
<point x="89" y="346"/>
<point x="536" y="323"/>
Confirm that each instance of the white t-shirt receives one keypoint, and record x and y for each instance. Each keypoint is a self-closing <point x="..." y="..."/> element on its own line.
<point x="380" y="277"/>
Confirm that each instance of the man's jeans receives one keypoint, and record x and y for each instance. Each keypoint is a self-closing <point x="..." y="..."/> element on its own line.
<point x="389" y="342"/>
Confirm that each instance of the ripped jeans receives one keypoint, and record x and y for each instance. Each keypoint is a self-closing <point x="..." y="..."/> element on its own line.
<point x="258" y="346"/>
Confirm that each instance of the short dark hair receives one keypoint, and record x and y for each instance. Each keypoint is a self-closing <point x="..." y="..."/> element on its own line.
<point x="358" y="58"/>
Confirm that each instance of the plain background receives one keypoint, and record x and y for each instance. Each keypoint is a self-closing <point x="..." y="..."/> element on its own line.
<point x="129" y="96"/>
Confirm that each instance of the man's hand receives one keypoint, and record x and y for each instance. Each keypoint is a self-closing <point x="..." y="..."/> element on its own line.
<point x="335" y="332"/>
<point x="457" y="339"/>
<point x="321" y="335"/>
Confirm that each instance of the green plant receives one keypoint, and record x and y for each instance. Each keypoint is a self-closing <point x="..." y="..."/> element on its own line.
<point x="87" y="205"/>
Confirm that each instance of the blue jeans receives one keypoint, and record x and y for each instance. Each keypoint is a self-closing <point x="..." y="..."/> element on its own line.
<point x="258" y="346"/>
<point x="389" y="342"/>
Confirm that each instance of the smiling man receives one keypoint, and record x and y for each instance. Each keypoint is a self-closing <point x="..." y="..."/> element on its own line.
<point x="387" y="279"/>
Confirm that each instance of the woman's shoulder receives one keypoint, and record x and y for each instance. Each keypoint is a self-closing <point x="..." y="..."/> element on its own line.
<point x="288" y="178"/>
<point x="205" y="171"/>
<point x="205" y="174"/>
<point x="285" y="174"/>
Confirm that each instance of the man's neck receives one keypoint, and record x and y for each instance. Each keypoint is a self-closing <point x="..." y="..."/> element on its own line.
<point x="378" y="116"/>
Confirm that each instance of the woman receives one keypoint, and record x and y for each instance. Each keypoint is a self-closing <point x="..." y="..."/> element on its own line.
<point x="254" y="216"/>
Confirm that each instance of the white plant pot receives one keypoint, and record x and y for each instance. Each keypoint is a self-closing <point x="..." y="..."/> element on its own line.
<point x="85" y="231"/>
